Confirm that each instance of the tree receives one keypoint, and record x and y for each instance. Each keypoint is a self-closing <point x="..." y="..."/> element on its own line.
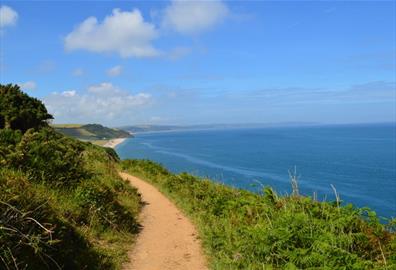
<point x="19" y="111"/>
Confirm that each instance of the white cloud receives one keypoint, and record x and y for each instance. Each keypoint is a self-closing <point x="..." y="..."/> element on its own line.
<point x="101" y="103"/>
<point x="78" y="72"/>
<point x="114" y="71"/>
<point x="123" y="32"/>
<point x="70" y="93"/>
<point x="192" y="17"/>
<point x="29" y="85"/>
<point x="8" y="16"/>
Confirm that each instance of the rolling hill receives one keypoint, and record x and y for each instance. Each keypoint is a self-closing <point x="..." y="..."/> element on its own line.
<point x="91" y="132"/>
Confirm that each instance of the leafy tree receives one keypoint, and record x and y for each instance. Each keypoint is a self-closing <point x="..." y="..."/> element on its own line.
<point x="19" y="111"/>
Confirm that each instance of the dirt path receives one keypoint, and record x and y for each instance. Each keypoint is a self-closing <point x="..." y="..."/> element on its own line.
<point x="168" y="239"/>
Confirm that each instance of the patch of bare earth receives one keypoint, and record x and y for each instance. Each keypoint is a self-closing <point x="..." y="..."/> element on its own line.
<point x="168" y="239"/>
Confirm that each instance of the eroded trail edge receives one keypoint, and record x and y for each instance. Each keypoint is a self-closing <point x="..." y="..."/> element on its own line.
<point x="168" y="239"/>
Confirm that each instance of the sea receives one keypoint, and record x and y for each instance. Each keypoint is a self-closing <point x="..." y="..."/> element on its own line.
<point x="359" y="161"/>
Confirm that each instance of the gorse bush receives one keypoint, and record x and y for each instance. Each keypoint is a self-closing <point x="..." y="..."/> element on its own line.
<point x="50" y="157"/>
<point x="244" y="230"/>
<point x="8" y="140"/>
<point x="19" y="111"/>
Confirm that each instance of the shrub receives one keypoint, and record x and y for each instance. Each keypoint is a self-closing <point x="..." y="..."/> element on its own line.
<point x="50" y="157"/>
<point x="112" y="154"/>
<point x="8" y="140"/>
<point x="19" y="111"/>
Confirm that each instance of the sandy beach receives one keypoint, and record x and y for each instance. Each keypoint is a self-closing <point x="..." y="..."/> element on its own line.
<point x="114" y="142"/>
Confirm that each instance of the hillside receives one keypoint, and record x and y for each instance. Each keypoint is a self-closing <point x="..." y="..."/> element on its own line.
<point x="150" y="128"/>
<point x="62" y="204"/>
<point x="91" y="132"/>
<point x="162" y="128"/>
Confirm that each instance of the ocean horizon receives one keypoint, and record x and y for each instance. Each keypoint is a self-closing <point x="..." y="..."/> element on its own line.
<point x="357" y="159"/>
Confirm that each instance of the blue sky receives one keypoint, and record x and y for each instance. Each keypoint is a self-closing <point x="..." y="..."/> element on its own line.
<point x="178" y="62"/>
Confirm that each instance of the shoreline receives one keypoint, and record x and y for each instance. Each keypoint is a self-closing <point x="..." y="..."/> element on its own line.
<point x="114" y="142"/>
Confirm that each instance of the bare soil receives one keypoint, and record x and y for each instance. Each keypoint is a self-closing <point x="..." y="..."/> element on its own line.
<point x="168" y="239"/>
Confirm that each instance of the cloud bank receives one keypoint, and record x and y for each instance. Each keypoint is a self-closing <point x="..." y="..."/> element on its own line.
<point x="100" y="103"/>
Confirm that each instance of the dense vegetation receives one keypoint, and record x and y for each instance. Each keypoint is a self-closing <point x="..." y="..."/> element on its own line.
<point x="18" y="111"/>
<point x="91" y="132"/>
<point x="62" y="203"/>
<point x="243" y="230"/>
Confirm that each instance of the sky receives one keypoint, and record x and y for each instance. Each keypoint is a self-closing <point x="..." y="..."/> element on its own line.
<point x="203" y="62"/>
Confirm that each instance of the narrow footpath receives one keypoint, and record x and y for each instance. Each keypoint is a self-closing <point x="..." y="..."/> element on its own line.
<point x="168" y="239"/>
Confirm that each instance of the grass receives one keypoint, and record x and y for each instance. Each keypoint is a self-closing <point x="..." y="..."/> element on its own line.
<point x="244" y="230"/>
<point x="91" y="132"/>
<point x="66" y="125"/>
<point x="100" y="142"/>
<point x="86" y="220"/>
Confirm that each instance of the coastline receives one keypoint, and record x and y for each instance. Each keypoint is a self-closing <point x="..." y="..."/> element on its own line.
<point x="114" y="142"/>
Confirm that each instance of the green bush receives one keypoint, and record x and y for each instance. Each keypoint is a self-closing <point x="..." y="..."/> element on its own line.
<point x="8" y="140"/>
<point x="19" y="111"/>
<point x="49" y="156"/>
<point x="10" y="137"/>
<point x="112" y="154"/>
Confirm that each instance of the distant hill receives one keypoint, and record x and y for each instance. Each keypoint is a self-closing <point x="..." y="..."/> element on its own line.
<point x="91" y="132"/>
<point x="150" y="128"/>
<point x="159" y="128"/>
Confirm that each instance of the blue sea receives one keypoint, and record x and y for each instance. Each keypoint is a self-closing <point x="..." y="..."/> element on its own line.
<point x="358" y="160"/>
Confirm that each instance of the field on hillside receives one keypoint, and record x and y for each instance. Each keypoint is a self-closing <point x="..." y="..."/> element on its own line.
<point x="90" y="132"/>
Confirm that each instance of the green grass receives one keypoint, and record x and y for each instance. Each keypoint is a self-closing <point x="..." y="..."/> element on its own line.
<point x="66" y="125"/>
<point x="100" y="142"/>
<point x="90" y="132"/>
<point x="244" y="230"/>
<point x="62" y="204"/>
